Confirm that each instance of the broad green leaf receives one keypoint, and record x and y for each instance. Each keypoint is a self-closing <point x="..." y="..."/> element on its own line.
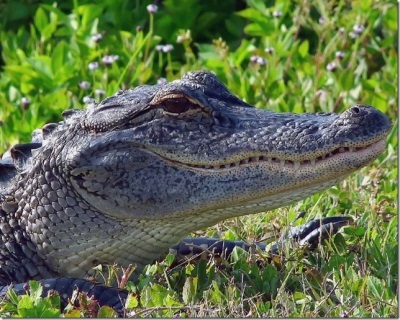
<point x="35" y="290"/>
<point x="74" y="313"/>
<point x="131" y="301"/>
<point x="301" y="298"/>
<point x="41" y="20"/>
<point x="252" y="14"/>
<point x="169" y="259"/>
<point x="259" y="29"/>
<point x="106" y="312"/>
<point x="25" y="302"/>
<point x="188" y="291"/>
<point x="303" y="48"/>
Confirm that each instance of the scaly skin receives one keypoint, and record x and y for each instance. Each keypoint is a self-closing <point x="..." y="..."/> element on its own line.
<point x="126" y="179"/>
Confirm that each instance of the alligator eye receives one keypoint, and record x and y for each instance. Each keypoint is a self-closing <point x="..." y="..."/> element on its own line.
<point x="177" y="105"/>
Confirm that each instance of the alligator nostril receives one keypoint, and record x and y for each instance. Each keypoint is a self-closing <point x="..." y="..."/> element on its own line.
<point x="355" y="110"/>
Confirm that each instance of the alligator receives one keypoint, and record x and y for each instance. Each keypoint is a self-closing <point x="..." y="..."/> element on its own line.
<point x="126" y="179"/>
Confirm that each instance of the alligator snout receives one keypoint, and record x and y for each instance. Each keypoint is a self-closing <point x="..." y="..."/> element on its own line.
<point x="366" y="115"/>
<point x="364" y="122"/>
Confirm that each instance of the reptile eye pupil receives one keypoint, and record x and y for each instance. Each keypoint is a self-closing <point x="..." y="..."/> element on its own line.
<point x="176" y="105"/>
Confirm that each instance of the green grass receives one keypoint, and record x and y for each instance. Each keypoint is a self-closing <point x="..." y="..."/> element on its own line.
<point x="297" y="68"/>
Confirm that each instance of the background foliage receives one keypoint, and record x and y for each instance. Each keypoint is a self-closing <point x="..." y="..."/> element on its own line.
<point x="288" y="56"/>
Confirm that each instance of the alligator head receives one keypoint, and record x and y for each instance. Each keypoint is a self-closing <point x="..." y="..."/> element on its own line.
<point x="135" y="174"/>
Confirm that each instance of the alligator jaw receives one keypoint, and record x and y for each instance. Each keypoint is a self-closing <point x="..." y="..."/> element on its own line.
<point x="362" y="155"/>
<point x="281" y="185"/>
<point x="309" y="180"/>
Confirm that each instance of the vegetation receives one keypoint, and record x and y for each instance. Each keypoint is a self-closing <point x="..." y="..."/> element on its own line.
<point x="291" y="56"/>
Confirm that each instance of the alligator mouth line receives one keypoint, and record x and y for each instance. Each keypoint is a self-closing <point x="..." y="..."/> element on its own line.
<point x="373" y="149"/>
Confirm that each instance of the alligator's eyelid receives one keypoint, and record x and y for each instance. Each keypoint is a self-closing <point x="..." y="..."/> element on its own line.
<point x="176" y="96"/>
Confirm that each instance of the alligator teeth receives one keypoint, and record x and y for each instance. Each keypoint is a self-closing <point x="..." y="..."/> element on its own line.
<point x="352" y="149"/>
<point x="283" y="163"/>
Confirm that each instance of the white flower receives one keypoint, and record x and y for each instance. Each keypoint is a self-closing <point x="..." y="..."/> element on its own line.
<point x="25" y="102"/>
<point x="168" y="48"/>
<point x="164" y="48"/>
<point x="353" y="35"/>
<point x="93" y="65"/>
<point x="261" y="61"/>
<point x="331" y="66"/>
<point x="258" y="60"/>
<point x="269" y="50"/>
<point x="339" y="54"/>
<point x="108" y="60"/>
<point x="84" y="85"/>
<point x="358" y="28"/>
<point x="97" y="37"/>
<point x="88" y="100"/>
<point x="152" y="8"/>
<point x="253" y="58"/>
<point x="99" y="92"/>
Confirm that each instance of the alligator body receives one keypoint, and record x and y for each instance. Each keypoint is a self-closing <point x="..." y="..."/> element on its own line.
<point x="126" y="179"/>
